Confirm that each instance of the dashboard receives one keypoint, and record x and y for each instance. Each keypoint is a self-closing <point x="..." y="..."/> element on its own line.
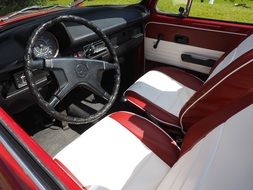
<point x="122" y="24"/>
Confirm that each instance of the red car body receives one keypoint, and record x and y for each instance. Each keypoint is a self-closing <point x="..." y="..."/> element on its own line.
<point x="13" y="176"/>
<point x="12" y="173"/>
<point x="25" y="16"/>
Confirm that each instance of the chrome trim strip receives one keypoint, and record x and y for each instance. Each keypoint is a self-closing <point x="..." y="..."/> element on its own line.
<point x="21" y="163"/>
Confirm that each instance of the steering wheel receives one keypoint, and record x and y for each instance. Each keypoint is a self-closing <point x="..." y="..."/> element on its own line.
<point x="72" y="72"/>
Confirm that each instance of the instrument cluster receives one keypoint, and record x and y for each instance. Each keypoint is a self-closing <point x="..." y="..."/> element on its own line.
<point x="46" y="46"/>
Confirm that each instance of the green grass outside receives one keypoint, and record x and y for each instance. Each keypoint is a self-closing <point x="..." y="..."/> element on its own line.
<point x="224" y="10"/>
<point x="220" y="10"/>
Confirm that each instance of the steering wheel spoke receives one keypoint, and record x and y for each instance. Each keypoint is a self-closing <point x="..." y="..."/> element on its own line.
<point x="101" y="65"/>
<point x="60" y="94"/>
<point x="97" y="89"/>
<point x="78" y="71"/>
<point x="110" y="66"/>
<point x="54" y="101"/>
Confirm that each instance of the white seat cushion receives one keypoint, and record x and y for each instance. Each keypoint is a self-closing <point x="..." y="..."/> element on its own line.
<point x="163" y="91"/>
<point x="108" y="156"/>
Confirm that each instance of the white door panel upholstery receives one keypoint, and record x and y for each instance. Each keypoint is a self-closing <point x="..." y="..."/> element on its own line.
<point x="162" y="91"/>
<point x="221" y="160"/>
<point x="108" y="156"/>
<point x="170" y="53"/>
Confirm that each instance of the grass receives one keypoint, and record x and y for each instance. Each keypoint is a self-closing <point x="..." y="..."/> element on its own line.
<point x="220" y="10"/>
<point x="170" y="6"/>
<point x="224" y="10"/>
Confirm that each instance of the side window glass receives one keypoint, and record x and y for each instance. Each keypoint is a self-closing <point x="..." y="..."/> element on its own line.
<point x="228" y="10"/>
<point x="171" y="6"/>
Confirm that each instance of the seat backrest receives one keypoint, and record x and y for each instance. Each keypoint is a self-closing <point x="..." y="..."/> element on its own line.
<point x="217" y="152"/>
<point x="241" y="49"/>
<point x="231" y="79"/>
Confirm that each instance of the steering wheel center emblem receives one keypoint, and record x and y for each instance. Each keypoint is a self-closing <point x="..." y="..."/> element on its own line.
<point x="81" y="70"/>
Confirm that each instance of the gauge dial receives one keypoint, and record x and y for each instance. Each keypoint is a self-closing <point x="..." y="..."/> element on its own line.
<point x="46" y="46"/>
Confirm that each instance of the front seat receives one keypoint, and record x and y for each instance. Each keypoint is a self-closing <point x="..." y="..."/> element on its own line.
<point x="179" y="99"/>
<point x="126" y="151"/>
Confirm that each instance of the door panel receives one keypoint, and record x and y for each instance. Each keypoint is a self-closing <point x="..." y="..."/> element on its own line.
<point x="170" y="53"/>
<point x="205" y="39"/>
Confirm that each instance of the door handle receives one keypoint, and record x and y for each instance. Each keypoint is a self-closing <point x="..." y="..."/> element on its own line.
<point x="197" y="59"/>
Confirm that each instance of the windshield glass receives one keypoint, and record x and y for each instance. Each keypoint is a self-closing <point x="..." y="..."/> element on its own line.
<point x="8" y="6"/>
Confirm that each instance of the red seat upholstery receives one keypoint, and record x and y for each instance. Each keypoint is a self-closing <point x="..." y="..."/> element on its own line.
<point x="126" y="151"/>
<point x="179" y="99"/>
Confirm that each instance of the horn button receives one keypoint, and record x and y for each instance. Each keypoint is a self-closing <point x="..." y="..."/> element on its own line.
<point x="81" y="70"/>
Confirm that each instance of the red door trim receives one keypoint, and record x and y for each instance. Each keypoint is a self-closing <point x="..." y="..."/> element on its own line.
<point x="196" y="28"/>
<point x="203" y="23"/>
<point x="40" y="153"/>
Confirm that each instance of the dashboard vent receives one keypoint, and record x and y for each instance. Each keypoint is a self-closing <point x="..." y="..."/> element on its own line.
<point x="94" y="49"/>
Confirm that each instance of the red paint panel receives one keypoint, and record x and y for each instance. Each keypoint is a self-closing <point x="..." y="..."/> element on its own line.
<point x="26" y="16"/>
<point x="12" y="176"/>
<point x="39" y="152"/>
<point x="151" y="135"/>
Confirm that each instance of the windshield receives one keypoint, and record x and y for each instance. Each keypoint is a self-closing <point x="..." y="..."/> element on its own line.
<point x="8" y="6"/>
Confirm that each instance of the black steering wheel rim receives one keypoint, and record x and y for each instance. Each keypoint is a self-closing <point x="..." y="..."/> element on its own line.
<point x="31" y="83"/>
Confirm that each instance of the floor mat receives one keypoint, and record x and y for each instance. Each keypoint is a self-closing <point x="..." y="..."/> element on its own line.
<point x="54" y="139"/>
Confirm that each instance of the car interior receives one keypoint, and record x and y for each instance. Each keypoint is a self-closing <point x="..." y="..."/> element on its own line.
<point x="125" y="97"/>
